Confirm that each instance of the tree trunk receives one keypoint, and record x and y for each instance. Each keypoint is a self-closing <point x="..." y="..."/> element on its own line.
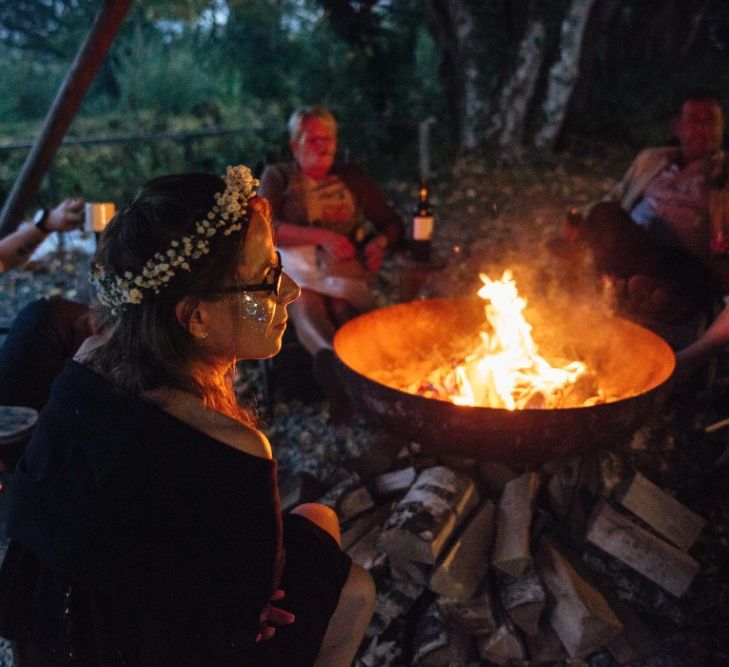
<point x="452" y="28"/>
<point x="506" y="124"/>
<point x="564" y="73"/>
<point x="473" y="104"/>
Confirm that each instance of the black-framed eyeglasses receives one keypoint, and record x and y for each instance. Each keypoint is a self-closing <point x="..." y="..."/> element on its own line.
<point x="271" y="285"/>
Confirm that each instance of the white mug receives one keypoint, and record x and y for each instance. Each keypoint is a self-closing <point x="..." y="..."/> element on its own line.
<point x="97" y="215"/>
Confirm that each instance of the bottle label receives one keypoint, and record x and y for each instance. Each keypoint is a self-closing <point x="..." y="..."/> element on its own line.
<point x="422" y="228"/>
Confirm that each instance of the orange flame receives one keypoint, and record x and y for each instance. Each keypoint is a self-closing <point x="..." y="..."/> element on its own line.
<point x="506" y="369"/>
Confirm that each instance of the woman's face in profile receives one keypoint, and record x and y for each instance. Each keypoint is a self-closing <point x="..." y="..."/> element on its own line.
<point x="249" y="324"/>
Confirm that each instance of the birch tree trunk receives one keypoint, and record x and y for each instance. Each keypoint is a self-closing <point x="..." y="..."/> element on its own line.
<point x="460" y="71"/>
<point x="473" y="102"/>
<point x="563" y="74"/>
<point x="506" y="125"/>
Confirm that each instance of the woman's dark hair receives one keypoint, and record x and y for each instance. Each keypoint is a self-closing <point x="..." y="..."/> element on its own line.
<point x="146" y="347"/>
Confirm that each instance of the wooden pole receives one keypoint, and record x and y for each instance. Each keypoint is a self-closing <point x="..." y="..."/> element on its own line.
<point x="62" y="111"/>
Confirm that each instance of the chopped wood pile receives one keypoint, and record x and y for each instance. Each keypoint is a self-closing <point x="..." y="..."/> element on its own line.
<point x="482" y="563"/>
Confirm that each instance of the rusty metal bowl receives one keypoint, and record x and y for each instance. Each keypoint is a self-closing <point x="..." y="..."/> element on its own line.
<point x="630" y="360"/>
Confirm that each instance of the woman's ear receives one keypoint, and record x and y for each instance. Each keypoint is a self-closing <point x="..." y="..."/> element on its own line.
<point x="192" y="316"/>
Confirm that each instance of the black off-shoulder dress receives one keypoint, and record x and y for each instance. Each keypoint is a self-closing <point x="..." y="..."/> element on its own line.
<point x="139" y="540"/>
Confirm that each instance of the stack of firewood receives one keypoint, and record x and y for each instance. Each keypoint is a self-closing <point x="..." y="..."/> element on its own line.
<point x="482" y="562"/>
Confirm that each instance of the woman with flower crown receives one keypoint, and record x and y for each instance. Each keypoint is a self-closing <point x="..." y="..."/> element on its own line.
<point x="145" y="519"/>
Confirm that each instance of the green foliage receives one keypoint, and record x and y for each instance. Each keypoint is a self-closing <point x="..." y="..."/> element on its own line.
<point x="186" y="65"/>
<point x="26" y="88"/>
<point x="162" y="78"/>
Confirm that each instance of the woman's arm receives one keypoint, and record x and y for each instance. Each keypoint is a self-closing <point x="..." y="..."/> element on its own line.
<point x="16" y="248"/>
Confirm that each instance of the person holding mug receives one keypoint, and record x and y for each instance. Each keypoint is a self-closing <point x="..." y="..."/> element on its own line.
<point x="17" y="247"/>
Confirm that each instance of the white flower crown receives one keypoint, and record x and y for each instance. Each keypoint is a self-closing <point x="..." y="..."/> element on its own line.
<point x="227" y="214"/>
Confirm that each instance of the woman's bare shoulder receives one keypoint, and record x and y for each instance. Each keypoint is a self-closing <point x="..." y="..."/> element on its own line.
<point x="190" y="409"/>
<point x="240" y="436"/>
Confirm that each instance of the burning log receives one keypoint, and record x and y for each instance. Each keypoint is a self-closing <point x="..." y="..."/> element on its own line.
<point x="427" y="515"/>
<point x="503" y="647"/>
<point x="348" y="498"/>
<point x="459" y="572"/>
<point x="666" y="515"/>
<point x="523" y="599"/>
<point x="437" y="644"/>
<point x="393" y="483"/>
<point x="511" y="553"/>
<point x="657" y="560"/>
<point x="581" y="616"/>
<point x="475" y="615"/>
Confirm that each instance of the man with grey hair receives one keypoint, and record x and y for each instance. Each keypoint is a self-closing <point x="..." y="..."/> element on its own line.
<point x="333" y="227"/>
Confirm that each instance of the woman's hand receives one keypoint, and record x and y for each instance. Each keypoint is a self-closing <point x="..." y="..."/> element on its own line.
<point x="272" y="616"/>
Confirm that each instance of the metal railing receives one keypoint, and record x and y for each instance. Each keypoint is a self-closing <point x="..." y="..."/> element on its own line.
<point x="187" y="140"/>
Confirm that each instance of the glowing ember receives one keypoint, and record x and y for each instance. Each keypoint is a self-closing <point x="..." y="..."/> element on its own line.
<point x="505" y="370"/>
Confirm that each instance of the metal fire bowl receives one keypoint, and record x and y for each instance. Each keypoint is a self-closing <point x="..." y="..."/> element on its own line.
<point x="629" y="359"/>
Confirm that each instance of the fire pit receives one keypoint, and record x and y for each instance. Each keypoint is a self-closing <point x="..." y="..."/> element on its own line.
<point x="633" y="367"/>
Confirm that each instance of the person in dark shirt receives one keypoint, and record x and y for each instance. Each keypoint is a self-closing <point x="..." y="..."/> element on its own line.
<point x="46" y="332"/>
<point x="145" y="524"/>
<point x="663" y="231"/>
